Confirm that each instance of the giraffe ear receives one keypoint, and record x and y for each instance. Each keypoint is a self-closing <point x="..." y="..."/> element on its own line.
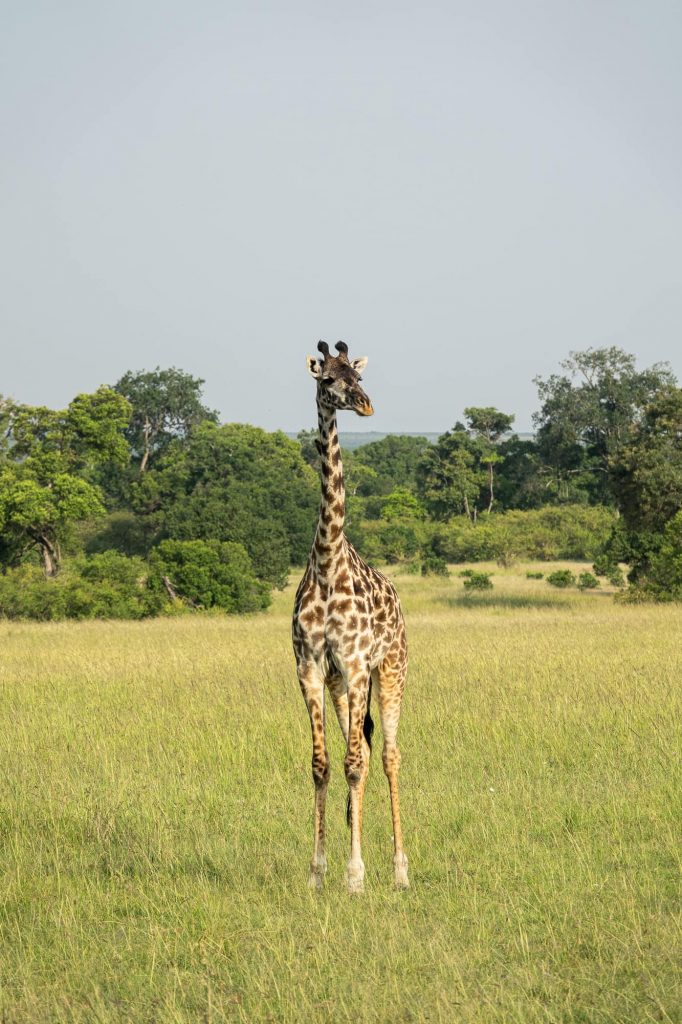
<point x="314" y="368"/>
<point x="359" y="364"/>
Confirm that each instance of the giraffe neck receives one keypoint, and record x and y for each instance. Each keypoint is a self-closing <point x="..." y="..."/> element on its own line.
<point x="329" y="535"/>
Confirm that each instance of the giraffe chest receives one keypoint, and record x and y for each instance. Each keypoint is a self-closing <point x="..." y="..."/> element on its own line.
<point x="342" y="626"/>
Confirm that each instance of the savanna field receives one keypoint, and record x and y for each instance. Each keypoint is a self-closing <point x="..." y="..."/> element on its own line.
<point x="156" y="820"/>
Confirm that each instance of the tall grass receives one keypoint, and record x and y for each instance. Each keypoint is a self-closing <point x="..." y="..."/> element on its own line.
<point x="155" y="821"/>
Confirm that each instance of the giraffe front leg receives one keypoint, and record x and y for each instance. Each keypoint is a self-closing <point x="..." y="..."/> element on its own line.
<point x="356" y="764"/>
<point x="312" y="685"/>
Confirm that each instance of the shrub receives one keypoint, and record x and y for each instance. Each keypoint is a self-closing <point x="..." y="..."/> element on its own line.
<point x="561" y="578"/>
<point x="466" y="572"/>
<point x="208" y="574"/>
<point x="603" y="565"/>
<point x="479" y="581"/>
<point x="616" y="577"/>
<point x="434" y="565"/>
<point x="535" y="575"/>
<point x="106" y="586"/>
<point x="586" y="581"/>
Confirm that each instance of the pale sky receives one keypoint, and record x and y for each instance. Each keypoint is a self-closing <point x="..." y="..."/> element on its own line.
<point x="462" y="192"/>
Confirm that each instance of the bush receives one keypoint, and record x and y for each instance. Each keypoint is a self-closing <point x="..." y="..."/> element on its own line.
<point x="207" y="574"/>
<point x="616" y="577"/>
<point x="561" y="578"/>
<point x="466" y="572"/>
<point x="535" y="575"/>
<point x="433" y="565"/>
<point x="106" y="586"/>
<point x="586" y="581"/>
<point x="603" y="565"/>
<point x="479" y="581"/>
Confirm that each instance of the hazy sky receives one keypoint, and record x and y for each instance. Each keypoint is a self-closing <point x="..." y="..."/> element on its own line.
<point x="461" y="191"/>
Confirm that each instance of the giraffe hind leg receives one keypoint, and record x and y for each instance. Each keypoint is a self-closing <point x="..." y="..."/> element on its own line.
<point x="390" y="680"/>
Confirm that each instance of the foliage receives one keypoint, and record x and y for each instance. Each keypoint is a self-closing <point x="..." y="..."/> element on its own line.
<point x="535" y="575"/>
<point x="488" y="425"/>
<point x="433" y="565"/>
<point x="543" y="534"/>
<point x="393" y="460"/>
<point x="105" y="586"/>
<point x="478" y="581"/>
<point x="561" y="578"/>
<point x="587" y="581"/>
<point x="45" y="485"/>
<point x="616" y="577"/>
<point x="448" y="475"/>
<point x="207" y="574"/>
<point x="402" y="504"/>
<point x="166" y="404"/>
<point x="237" y="483"/>
<point x="648" y="476"/>
<point x="589" y="414"/>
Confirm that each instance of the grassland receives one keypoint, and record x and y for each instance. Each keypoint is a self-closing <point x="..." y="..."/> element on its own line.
<point x="156" y="803"/>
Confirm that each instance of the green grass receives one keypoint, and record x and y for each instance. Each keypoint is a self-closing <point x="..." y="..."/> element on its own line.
<point x="156" y="806"/>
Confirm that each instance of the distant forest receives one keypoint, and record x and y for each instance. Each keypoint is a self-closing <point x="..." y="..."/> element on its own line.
<point x="135" y="501"/>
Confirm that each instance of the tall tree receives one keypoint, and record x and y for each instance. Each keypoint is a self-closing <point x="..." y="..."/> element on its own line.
<point x="489" y="425"/>
<point x="448" y="476"/>
<point x="394" y="460"/>
<point x="237" y="483"/>
<point x="646" y="476"/>
<point x="45" y="474"/>
<point x="166" y="404"/>
<point x="590" y="412"/>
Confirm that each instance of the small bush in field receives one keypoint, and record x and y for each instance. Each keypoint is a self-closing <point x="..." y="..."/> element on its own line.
<point x="603" y="565"/>
<point x="561" y="578"/>
<point x="587" y="581"/>
<point x="616" y="577"/>
<point x="434" y="565"/>
<point x="479" y="581"/>
<point x="466" y="573"/>
<point x="535" y="575"/>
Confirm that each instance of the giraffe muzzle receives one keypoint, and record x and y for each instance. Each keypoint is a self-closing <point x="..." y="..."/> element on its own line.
<point x="364" y="409"/>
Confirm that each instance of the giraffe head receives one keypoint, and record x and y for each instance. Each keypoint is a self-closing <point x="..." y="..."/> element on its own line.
<point x="338" y="379"/>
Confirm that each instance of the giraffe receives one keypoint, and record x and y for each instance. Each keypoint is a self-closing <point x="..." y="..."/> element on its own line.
<point x="348" y="634"/>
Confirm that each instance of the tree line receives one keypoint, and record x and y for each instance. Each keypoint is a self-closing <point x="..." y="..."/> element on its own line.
<point x="135" y="500"/>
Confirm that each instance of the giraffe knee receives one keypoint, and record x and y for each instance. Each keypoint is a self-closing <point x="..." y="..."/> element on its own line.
<point x="353" y="767"/>
<point x="321" y="770"/>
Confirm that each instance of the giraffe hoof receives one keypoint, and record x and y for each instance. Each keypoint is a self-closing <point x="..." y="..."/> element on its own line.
<point x="316" y="875"/>
<point x="355" y="878"/>
<point x="400" y="871"/>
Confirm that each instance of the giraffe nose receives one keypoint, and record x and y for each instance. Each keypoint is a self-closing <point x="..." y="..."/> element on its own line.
<point x="364" y="407"/>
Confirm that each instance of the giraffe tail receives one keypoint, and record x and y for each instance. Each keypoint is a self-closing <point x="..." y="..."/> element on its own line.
<point x="367" y="732"/>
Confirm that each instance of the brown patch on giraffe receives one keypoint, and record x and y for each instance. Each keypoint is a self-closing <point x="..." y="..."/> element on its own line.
<point x="335" y="532"/>
<point x="338" y="509"/>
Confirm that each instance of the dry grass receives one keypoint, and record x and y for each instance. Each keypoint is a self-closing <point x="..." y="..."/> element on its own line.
<point x="155" y="820"/>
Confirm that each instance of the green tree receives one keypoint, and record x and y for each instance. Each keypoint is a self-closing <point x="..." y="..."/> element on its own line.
<point x="402" y="504"/>
<point x="394" y="460"/>
<point x="488" y="425"/>
<point x="646" y="476"/>
<point x="448" y="475"/>
<point x="589" y="413"/>
<point x="166" y="404"/>
<point x="208" y="574"/>
<point x="46" y="472"/>
<point x="235" y="483"/>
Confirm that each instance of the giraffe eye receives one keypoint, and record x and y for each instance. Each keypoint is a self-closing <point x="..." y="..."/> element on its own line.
<point x="327" y="380"/>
